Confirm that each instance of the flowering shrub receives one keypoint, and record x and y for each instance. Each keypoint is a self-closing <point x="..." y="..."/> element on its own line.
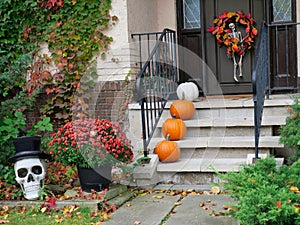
<point x="90" y="143"/>
<point x="222" y="32"/>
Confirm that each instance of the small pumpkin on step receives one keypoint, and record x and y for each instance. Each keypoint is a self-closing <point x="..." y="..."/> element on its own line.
<point x="187" y="91"/>
<point x="167" y="151"/>
<point x="176" y="128"/>
<point x="182" y="109"/>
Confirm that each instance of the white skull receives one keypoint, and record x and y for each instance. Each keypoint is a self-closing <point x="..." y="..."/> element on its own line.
<point x="30" y="174"/>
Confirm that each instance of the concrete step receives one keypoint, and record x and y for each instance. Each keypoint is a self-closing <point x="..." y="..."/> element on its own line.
<point x="187" y="153"/>
<point x="202" y="165"/>
<point x="224" y="142"/>
<point x="231" y="113"/>
<point x="230" y="121"/>
<point x="236" y="102"/>
<point x="205" y="165"/>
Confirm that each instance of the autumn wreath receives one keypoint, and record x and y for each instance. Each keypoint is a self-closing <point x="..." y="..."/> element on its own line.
<point x="223" y="33"/>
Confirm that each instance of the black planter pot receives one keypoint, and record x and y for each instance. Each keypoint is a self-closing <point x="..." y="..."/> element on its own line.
<point x="94" y="178"/>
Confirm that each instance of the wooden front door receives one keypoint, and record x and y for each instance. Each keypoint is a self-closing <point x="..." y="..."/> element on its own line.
<point x="194" y="17"/>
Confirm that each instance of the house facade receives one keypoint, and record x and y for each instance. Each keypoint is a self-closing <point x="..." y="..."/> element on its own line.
<point x="191" y="19"/>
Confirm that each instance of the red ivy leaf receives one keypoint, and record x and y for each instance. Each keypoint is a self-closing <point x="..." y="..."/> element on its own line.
<point x="52" y="202"/>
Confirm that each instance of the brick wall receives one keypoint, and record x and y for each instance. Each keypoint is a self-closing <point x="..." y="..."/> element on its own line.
<point x="112" y="98"/>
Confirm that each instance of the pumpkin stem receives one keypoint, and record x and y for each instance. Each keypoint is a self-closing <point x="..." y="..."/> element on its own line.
<point x="168" y="137"/>
<point x="183" y="95"/>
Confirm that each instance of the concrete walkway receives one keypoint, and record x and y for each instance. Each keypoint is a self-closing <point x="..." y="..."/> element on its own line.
<point x="158" y="208"/>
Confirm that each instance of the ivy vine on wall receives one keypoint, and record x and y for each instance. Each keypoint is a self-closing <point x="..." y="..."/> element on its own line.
<point x="72" y="30"/>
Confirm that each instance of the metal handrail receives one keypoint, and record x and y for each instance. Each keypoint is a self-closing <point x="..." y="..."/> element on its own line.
<point x="156" y="81"/>
<point x="260" y="81"/>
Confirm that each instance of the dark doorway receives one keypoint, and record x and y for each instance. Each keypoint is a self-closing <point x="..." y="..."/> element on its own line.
<point x="283" y="45"/>
<point x="194" y="17"/>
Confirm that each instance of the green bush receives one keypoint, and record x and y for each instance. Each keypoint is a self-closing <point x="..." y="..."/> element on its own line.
<point x="290" y="133"/>
<point x="266" y="194"/>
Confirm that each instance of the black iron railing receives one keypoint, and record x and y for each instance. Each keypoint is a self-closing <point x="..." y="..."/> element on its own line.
<point x="260" y="81"/>
<point x="157" y="80"/>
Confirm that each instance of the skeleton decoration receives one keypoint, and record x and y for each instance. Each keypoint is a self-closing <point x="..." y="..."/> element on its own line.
<point x="30" y="168"/>
<point x="238" y="36"/>
<point x="225" y="31"/>
<point x="30" y="174"/>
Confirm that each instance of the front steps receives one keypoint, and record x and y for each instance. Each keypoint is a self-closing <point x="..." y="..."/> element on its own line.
<point x="220" y="136"/>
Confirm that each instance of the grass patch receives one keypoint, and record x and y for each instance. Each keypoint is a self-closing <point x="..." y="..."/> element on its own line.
<point x="48" y="216"/>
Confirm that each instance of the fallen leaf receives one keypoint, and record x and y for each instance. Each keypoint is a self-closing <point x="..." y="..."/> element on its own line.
<point x="4" y="221"/>
<point x="215" y="190"/>
<point x="202" y="204"/>
<point x="52" y="202"/>
<point x="206" y="193"/>
<point x="98" y="223"/>
<point x="208" y="200"/>
<point x="143" y="194"/>
<point x="58" y="219"/>
<point x="207" y="207"/>
<point x="94" y="214"/>
<point x="184" y="193"/>
<point x="44" y="209"/>
<point x="137" y="222"/>
<point x="177" y="203"/>
<point x="158" y="196"/>
<point x="213" y="213"/>
<point x="5" y="208"/>
<point x="172" y="193"/>
<point x="128" y="204"/>
<point x="105" y="216"/>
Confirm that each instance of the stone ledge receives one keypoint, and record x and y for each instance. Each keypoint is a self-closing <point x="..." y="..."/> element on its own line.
<point x="146" y="171"/>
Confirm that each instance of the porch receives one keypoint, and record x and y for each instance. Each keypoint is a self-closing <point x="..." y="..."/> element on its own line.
<point x="219" y="137"/>
<point x="227" y="130"/>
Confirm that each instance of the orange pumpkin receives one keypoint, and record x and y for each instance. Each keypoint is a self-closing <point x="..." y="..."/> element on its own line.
<point x="182" y="109"/>
<point x="176" y="128"/>
<point x="167" y="151"/>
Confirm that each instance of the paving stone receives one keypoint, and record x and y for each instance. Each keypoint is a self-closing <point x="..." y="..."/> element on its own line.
<point x="121" y="199"/>
<point x="190" y="212"/>
<point x="147" y="209"/>
<point x="115" y="190"/>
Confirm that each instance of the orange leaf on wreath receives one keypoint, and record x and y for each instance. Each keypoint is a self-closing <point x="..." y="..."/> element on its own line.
<point x="235" y="48"/>
<point x="230" y="14"/>
<point x="254" y="31"/>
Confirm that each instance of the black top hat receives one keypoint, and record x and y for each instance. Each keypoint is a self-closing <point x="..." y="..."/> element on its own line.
<point x="28" y="147"/>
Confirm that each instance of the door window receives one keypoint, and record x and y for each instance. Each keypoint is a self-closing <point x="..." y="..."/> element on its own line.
<point x="191" y="14"/>
<point x="282" y="10"/>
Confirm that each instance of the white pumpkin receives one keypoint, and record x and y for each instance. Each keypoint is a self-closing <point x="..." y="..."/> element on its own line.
<point x="187" y="91"/>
